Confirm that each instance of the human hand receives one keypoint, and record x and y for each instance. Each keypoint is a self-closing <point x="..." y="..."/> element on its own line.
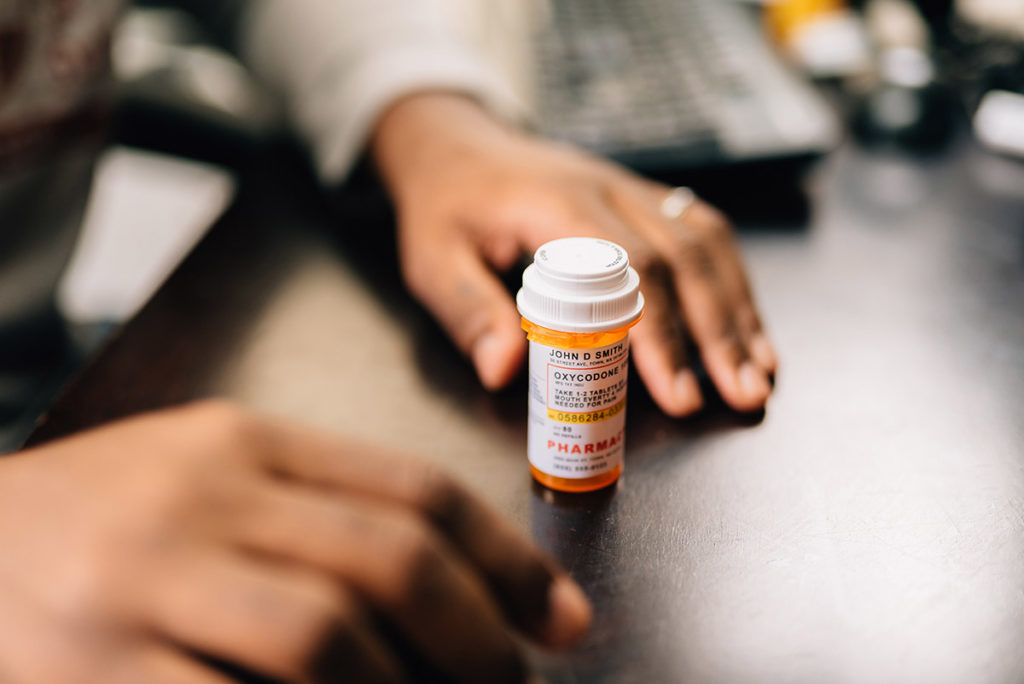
<point x="146" y="550"/>
<point x="472" y="194"/>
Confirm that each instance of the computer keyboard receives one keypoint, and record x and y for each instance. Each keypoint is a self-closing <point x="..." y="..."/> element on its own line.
<point x="663" y="85"/>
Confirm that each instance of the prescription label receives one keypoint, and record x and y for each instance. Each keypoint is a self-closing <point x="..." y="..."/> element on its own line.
<point x="577" y="408"/>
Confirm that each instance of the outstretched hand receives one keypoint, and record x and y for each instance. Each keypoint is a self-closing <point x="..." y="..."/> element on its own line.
<point x="146" y="550"/>
<point x="472" y="195"/>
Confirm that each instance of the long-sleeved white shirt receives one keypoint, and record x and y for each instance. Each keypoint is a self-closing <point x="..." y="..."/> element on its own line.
<point x="336" y="64"/>
<point x="339" y="63"/>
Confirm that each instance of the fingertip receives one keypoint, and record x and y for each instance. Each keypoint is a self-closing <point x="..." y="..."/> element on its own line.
<point x="754" y="385"/>
<point x="569" y="614"/>
<point x="669" y="381"/>
<point x="680" y="395"/>
<point x="497" y="358"/>
<point x="763" y="353"/>
<point x="688" y="399"/>
<point x="488" y="358"/>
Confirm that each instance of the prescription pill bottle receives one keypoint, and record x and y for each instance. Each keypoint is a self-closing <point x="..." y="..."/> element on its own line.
<point x="579" y="299"/>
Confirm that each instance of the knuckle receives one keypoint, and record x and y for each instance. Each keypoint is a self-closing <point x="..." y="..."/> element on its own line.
<point x="226" y="427"/>
<point x="416" y="275"/>
<point x="327" y="631"/>
<point x="419" y="246"/>
<point x="300" y="627"/>
<point x="712" y="217"/>
<point x="419" y="563"/>
<point x="441" y="497"/>
<point x="573" y="210"/>
<point x="609" y="190"/>
<point x="691" y="255"/>
<point x="566" y="208"/>
<point x="93" y="585"/>
<point x="728" y="340"/>
<point x="667" y="326"/>
<point x="650" y="265"/>
<point x="748" y="320"/>
<point x="716" y="229"/>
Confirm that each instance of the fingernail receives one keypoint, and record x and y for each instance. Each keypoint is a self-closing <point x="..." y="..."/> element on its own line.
<point x="688" y="395"/>
<point x="569" y="614"/>
<point x="753" y="382"/>
<point x="763" y="352"/>
<point x="486" y="356"/>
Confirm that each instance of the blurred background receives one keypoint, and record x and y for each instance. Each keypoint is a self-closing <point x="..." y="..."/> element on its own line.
<point x="737" y="98"/>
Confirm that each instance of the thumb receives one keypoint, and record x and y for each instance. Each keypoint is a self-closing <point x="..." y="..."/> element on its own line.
<point x="454" y="283"/>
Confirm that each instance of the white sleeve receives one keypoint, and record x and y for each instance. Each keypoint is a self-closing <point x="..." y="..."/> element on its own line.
<point x="339" y="63"/>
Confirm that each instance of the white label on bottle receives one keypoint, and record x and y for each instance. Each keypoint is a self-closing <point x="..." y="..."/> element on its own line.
<point x="577" y="409"/>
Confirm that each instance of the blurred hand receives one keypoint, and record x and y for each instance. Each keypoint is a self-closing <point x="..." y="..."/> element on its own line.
<point x="472" y="195"/>
<point x="145" y="550"/>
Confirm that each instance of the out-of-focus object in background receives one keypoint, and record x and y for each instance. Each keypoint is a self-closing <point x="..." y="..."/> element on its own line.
<point x="825" y="38"/>
<point x="999" y="122"/>
<point x="182" y="94"/>
<point x="1005" y="17"/>
<point x="902" y="103"/>
<point x="668" y="85"/>
<point x="989" y="53"/>
<point x="145" y="212"/>
<point x="896" y="25"/>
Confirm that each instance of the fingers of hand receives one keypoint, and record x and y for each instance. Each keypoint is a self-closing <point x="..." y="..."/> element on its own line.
<point x="658" y="341"/>
<point x="709" y="315"/>
<point x="737" y="287"/>
<point x="659" y="346"/>
<point x="452" y="280"/>
<point x="710" y="288"/>
<point x="402" y="567"/>
<point x="745" y="324"/>
<point x="275" y="620"/>
<point x="535" y="595"/>
<point x="517" y="573"/>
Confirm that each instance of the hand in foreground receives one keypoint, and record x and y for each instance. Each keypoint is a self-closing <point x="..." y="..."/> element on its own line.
<point x="145" y="550"/>
<point x="472" y="195"/>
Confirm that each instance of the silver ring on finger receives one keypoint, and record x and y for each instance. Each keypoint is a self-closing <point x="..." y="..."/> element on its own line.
<point x="677" y="202"/>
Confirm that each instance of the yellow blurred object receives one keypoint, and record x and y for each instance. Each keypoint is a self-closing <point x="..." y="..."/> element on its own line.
<point x="783" y="18"/>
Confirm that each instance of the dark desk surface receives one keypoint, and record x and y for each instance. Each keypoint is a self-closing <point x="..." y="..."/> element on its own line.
<point x="869" y="529"/>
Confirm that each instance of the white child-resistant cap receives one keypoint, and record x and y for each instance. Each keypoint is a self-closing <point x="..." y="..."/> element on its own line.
<point x="580" y="285"/>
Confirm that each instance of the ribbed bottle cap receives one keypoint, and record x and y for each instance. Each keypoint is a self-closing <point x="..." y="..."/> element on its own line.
<point x="580" y="285"/>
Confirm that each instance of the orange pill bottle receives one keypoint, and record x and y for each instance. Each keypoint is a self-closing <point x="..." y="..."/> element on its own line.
<point x="579" y="299"/>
